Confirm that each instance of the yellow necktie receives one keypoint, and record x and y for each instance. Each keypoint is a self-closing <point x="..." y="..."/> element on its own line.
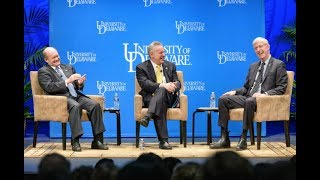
<point x="158" y="74"/>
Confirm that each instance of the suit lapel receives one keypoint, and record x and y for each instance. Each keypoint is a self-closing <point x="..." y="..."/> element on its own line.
<point x="151" y="71"/>
<point x="165" y="71"/>
<point x="267" y="69"/>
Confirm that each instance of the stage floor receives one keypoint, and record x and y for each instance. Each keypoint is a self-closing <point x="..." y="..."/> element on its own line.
<point x="272" y="149"/>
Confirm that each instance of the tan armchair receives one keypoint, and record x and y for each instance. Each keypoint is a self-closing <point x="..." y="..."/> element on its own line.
<point x="270" y="108"/>
<point x="180" y="113"/>
<point x="52" y="108"/>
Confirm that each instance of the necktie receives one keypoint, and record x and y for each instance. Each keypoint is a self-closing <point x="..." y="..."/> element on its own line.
<point x="159" y="74"/>
<point x="258" y="80"/>
<point x="70" y="85"/>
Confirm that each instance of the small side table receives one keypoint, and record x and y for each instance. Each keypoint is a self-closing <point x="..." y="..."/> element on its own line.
<point x="209" y="127"/>
<point x="117" y="112"/>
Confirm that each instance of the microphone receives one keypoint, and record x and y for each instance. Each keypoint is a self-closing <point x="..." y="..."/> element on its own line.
<point x="161" y="70"/>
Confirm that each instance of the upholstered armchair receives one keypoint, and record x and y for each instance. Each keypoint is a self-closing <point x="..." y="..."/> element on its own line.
<point x="270" y="108"/>
<point x="180" y="113"/>
<point x="52" y="108"/>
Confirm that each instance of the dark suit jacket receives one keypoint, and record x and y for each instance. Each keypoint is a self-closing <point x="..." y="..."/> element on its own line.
<point x="52" y="83"/>
<point x="275" y="78"/>
<point x="148" y="81"/>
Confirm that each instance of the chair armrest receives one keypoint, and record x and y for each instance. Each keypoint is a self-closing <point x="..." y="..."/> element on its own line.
<point x="275" y="107"/>
<point x="48" y="107"/>
<point x="99" y="99"/>
<point x="184" y="106"/>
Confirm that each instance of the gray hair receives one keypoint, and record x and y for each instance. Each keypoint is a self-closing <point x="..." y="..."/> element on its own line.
<point x="152" y="45"/>
<point x="260" y="39"/>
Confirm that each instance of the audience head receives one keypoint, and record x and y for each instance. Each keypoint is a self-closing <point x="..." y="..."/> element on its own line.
<point x="82" y="173"/>
<point x="147" y="166"/>
<point x="149" y="157"/>
<point x="54" y="166"/>
<point x="104" y="162"/>
<point x="171" y="163"/>
<point x="227" y="165"/>
<point x="281" y="170"/>
<point x="105" y="169"/>
<point x="186" y="171"/>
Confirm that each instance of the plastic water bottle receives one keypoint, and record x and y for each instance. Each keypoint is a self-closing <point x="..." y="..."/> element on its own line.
<point x="141" y="144"/>
<point x="212" y="100"/>
<point x="116" y="104"/>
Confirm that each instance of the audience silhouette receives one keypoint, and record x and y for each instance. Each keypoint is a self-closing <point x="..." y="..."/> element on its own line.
<point x="54" y="166"/>
<point x="223" y="165"/>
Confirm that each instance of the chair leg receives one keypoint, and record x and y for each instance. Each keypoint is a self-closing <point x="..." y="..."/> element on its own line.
<point x="184" y="133"/>
<point x="181" y="131"/>
<point x="258" y="135"/>
<point x="64" y="134"/>
<point x="252" y="133"/>
<point x="35" y="133"/>
<point x="286" y="133"/>
<point x="137" y="133"/>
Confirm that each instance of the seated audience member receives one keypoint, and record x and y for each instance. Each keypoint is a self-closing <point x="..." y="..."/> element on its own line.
<point x="227" y="165"/>
<point x="54" y="166"/>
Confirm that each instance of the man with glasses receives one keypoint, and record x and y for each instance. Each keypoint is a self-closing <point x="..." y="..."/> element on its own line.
<point x="266" y="77"/>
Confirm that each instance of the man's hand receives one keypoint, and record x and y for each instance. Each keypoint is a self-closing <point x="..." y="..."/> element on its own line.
<point x="170" y="87"/>
<point x="72" y="78"/>
<point x="82" y="79"/>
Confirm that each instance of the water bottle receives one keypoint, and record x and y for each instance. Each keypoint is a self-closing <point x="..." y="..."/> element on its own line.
<point x="116" y="104"/>
<point x="141" y="144"/>
<point x="212" y="100"/>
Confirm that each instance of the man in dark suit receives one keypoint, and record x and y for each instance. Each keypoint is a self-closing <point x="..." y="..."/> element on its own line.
<point x="62" y="80"/>
<point x="273" y="81"/>
<point x="159" y="92"/>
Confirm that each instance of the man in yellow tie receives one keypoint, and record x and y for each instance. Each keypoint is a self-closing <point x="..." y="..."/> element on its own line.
<point x="159" y="82"/>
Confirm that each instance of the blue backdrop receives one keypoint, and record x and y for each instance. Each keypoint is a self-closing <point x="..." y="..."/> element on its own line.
<point x="210" y="41"/>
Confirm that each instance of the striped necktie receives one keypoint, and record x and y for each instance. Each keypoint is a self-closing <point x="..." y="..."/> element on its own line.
<point x="258" y="80"/>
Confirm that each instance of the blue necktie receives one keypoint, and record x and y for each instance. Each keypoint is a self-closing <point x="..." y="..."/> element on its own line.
<point x="70" y="85"/>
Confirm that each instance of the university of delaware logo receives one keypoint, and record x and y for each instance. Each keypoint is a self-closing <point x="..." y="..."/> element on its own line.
<point x="231" y="56"/>
<point x="177" y="54"/>
<point x="148" y="3"/>
<point x="104" y="26"/>
<point x="189" y="26"/>
<point x="104" y="86"/>
<point x="222" y="3"/>
<point x="194" y="86"/>
<point x="75" y="57"/>
<point x="73" y="3"/>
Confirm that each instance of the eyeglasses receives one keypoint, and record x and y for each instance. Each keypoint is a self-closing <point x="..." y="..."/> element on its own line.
<point x="259" y="46"/>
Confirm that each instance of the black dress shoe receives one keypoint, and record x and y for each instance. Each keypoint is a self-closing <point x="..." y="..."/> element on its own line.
<point x="145" y="121"/>
<point x="242" y="144"/>
<point x="99" y="145"/>
<point x="222" y="143"/>
<point x="75" y="145"/>
<point x="165" y="145"/>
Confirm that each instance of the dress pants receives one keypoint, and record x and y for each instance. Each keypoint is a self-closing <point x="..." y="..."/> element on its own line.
<point x="75" y="106"/>
<point x="158" y="106"/>
<point x="236" y="101"/>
